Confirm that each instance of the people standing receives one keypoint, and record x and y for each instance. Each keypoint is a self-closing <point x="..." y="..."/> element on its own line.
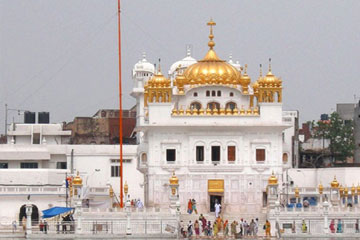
<point x="226" y="229"/>
<point x="41" y="226"/>
<point x="357" y="226"/>
<point x="339" y="227"/>
<point x="267" y="228"/>
<point x="193" y="202"/>
<point x="216" y="229"/>
<point x="233" y="228"/>
<point x="304" y="227"/>
<point x="203" y="221"/>
<point x="217" y="209"/>
<point x="252" y="228"/>
<point x="190" y="229"/>
<point x="46" y="226"/>
<point x="241" y="225"/>
<point x="197" y="228"/>
<point x="256" y="226"/>
<point x="190" y="206"/>
<point x="332" y="226"/>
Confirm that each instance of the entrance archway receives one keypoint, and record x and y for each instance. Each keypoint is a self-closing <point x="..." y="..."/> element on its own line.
<point x="34" y="214"/>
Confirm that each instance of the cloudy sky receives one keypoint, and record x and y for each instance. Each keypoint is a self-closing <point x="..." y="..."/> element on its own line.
<point x="61" y="56"/>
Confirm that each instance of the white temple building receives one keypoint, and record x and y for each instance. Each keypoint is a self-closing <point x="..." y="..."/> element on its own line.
<point x="222" y="134"/>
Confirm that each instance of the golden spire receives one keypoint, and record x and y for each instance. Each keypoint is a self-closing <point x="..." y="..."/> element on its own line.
<point x="260" y="70"/>
<point x="211" y="43"/>
<point x="159" y="68"/>
<point x="270" y="65"/>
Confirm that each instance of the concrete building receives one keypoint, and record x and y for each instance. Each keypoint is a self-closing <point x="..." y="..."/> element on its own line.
<point x="37" y="160"/>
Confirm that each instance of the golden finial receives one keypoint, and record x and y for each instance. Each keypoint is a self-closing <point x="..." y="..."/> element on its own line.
<point x="245" y="70"/>
<point x="269" y="65"/>
<point x="159" y="69"/>
<point x="211" y="43"/>
<point x="260" y="70"/>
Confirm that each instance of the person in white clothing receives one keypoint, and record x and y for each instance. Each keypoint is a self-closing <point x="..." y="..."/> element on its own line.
<point x="217" y="209"/>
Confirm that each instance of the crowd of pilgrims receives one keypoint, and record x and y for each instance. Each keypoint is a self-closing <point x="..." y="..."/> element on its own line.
<point x="203" y="227"/>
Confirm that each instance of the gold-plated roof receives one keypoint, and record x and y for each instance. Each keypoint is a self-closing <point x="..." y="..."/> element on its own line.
<point x="272" y="179"/>
<point x="174" y="180"/>
<point x="270" y="79"/>
<point x="77" y="180"/>
<point x="334" y="183"/>
<point x="211" y="69"/>
<point x="158" y="81"/>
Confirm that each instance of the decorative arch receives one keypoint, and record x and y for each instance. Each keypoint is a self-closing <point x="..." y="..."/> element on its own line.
<point x="213" y="105"/>
<point x="195" y="105"/>
<point x="285" y="157"/>
<point x="34" y="214"/>
<point x="232" y="105"/>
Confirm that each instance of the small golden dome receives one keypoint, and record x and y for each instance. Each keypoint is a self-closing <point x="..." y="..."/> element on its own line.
<point x="353" y="189"/>
<point x="334" y="183"/>
<point x="270" y="79"/>
<point x="297" y="192"/>
<point x="158" y="80"/>
<point x="77" y="180"/>
<point x="321" y="188"/>
<point x="341" y="190"/>
<point x="255" y="86"/>
<point x="272" y="179"/>
<point x="358" y="189"/>
<point x="174" y="180"/>
<point x="126" y="187"/>
<point x="111" y="192"/>
<point x="346" y="191"/>
<point x="212" y="70"/>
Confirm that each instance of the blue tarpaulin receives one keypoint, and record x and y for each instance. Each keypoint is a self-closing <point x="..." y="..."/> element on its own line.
<point x="52" y="212"/>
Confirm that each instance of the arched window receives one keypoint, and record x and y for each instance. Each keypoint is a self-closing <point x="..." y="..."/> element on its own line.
<point x="195" y="105"/>
<point x="208" y="93"/>
<point x="195" y="94"/>
<point x="143" y="158"/>
<point x="213" y="105"/>
<point x="231" y="105"/>
<point x="213" y="93"/>
<point x="231" y="94"/>
<point x="285" y="158"/>
<point x="219" y="93"/>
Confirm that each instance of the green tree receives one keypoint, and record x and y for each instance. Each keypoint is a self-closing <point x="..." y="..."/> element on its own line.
<point x="341" y="136"/>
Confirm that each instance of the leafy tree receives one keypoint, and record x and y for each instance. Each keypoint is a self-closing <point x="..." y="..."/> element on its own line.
<point x="341" y="136"/>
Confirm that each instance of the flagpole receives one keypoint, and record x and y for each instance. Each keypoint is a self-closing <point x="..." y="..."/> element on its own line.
<point x="120" y="114"/>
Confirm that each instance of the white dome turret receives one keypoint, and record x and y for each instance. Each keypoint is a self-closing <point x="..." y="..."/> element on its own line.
<point x="142" y="71"/>
<point x="179" y="66"/>
<point x="234" y="64"/>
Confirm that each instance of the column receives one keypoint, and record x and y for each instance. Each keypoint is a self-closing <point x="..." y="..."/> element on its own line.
<point x="78" y="211"/>
<point x="128" y="215"/>
<point x="326" y="213"/>
<point x="28" y="218"/>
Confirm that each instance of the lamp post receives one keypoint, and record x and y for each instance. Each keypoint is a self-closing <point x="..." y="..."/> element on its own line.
<point x="77" y="184"/>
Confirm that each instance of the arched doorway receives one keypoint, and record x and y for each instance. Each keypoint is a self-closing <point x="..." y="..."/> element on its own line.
<point x="34" y="214"/>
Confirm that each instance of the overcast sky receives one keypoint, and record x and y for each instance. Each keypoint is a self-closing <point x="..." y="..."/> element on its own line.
<point x="61" y="56"/>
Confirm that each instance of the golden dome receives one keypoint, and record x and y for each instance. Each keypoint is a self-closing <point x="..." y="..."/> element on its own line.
<point x="334" y="183"/>
<point x="77" y="180"/>
<point x="126" y="187"/>
<point x="174" y="180"/>
<point x="341" y="190"/>
<point x="211" y="69"/>
<point x="321" y="188"/>
<point x="358" y="189"/>
<point x="159" y="80"/>
<point x="270" y="79"/>
<point x="272" y="179"/>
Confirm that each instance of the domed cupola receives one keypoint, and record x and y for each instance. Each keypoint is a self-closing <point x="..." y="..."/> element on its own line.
<point x="180" y="66"/>
<point x="268" y="88"/>
<point x="211" y="69"/>
<point x="143" y="68"/>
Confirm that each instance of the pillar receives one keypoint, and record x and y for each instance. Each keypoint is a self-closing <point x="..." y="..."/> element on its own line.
<point x="128" y="215"/>
<point x="326" y="214"/>
<point x="28" y="218"/>
<point x="78" y="211"/>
